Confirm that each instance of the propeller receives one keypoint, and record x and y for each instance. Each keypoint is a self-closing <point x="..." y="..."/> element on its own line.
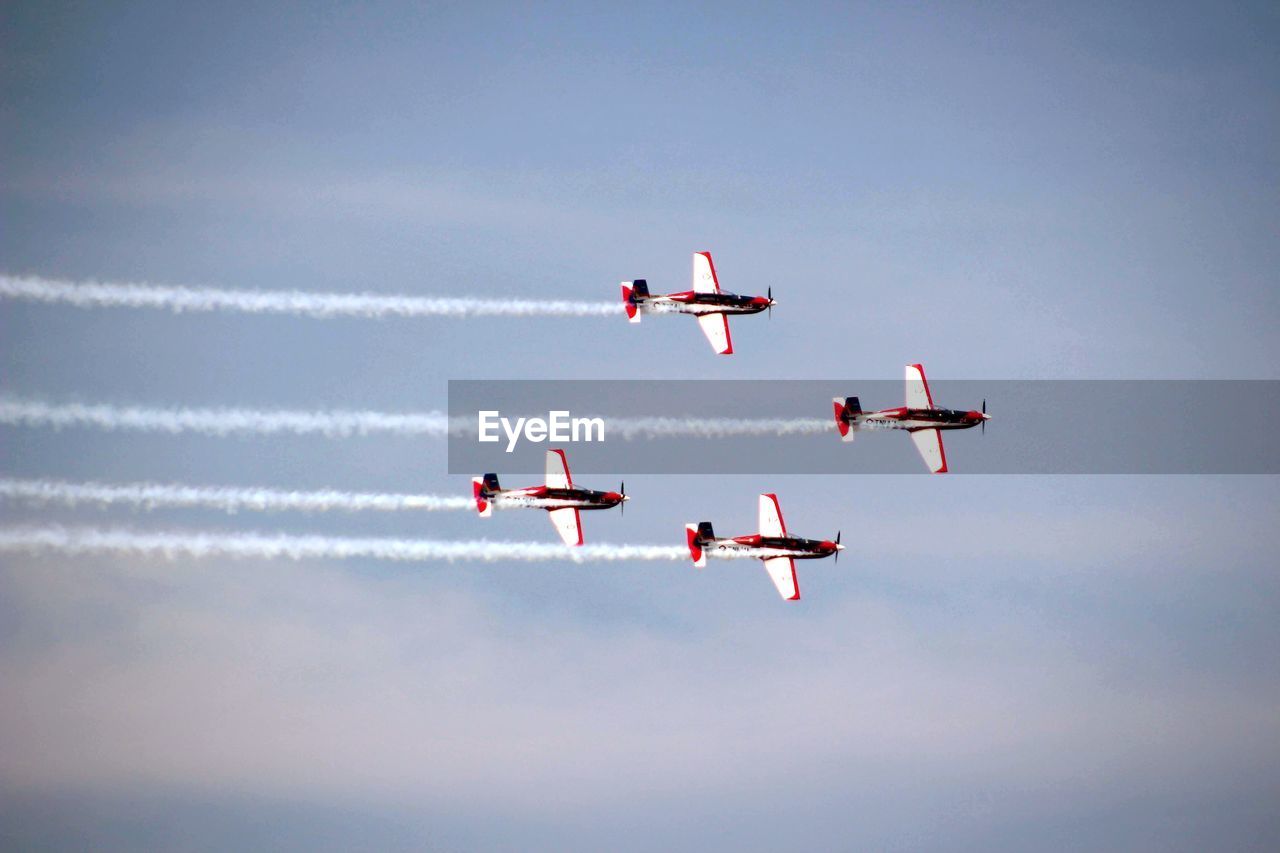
<point x="622" y="490"/>
<point x="837" y="559"/>
<point x="771" y="302"/>
<point x="984" y="411"/>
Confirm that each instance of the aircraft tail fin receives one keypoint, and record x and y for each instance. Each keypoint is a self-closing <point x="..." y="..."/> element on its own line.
<point x="698" y="535"/>
<point x="633" y="292"/>
<point x="846" y="411"/>
<point x="481" y="492"/>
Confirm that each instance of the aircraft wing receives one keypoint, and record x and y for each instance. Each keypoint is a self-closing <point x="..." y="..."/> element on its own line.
<point x="716" y="328"/>
<point x="558" y="470"/>
<point x="568" y="524"/>
<point x="771" y="517"/>
<point x="918" y="396"/>
<point x="929" y="443"/>
<point x="704" y="274"/>
<point x="782" y="571"/>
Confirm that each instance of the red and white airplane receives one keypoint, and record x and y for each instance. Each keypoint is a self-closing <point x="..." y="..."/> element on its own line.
<point x="778" y="550"/>
<point x="706" y="301"/>
<point x="919" y="417"/>
<point x="558" y="496"/>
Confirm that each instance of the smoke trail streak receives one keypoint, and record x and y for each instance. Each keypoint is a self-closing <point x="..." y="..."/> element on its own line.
<point x="341" y="423"/>
<point x="334" y="424"/>
<point x="150" y="495"/>
<point x="632" y="428"/>
<point x="171" y="545"/>
<point x="93" y="294"/>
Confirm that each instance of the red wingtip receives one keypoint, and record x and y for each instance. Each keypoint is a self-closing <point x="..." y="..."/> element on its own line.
<point x="714" y="276"/>
<point x="564" y="462"/>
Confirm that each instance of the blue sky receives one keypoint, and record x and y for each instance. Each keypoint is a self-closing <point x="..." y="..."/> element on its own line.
<point x="1002" y="192"/>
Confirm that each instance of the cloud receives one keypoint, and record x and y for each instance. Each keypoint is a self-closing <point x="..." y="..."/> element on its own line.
<point x="405" y="691"/>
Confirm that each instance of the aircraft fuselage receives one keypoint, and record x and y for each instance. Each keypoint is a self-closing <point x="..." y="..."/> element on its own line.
<point x="547" y="497"/>
<point x="910" y="419"/>
<point x="763" y="547"/>
<point x="696" y="303"/>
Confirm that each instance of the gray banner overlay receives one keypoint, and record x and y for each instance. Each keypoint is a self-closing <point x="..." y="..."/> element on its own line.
<point x="788" y="427"/>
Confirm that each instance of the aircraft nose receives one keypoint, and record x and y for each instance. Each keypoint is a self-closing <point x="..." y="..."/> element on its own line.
<point x="614" y="496"/>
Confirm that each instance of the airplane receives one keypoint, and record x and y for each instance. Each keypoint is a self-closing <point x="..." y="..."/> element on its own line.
<point x="706" y="301"/>
<point x="558" y="496"/>
<point x="778" y="550"/>
<point x="919" y="417"/>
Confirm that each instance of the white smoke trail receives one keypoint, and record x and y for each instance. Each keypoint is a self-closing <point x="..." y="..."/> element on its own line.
<point x="87" y="540"/>
<point x="341" y="423"/>
<point x="93" y="294"/>
<point x="149" y="495"/>
<point x="633" y="428"/>
<point x="220" y="421"/>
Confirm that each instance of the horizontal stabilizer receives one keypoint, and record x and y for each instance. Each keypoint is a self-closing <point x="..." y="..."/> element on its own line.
<point x="629" y="301"/>
<point x="846" y="411"/>
<point x="483" y="506"/>
<point x="695" y="545"/>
